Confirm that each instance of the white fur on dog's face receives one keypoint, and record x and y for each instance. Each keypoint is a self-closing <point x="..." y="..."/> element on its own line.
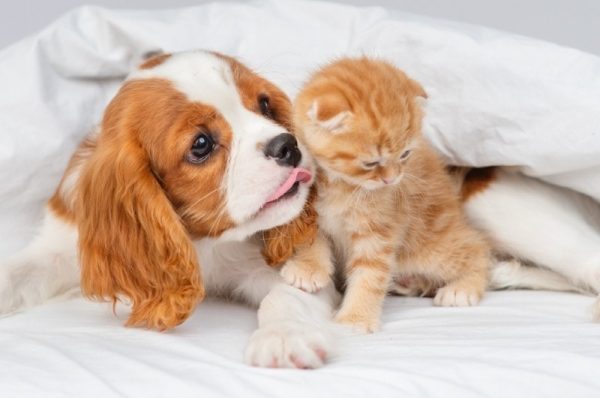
<point x="251" y="177"/>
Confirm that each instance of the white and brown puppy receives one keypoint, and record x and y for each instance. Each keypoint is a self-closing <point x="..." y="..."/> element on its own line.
<point x="193" y="157"/>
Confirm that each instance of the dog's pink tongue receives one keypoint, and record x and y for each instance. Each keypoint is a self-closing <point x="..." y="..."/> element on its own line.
<point x="297" y="174"/>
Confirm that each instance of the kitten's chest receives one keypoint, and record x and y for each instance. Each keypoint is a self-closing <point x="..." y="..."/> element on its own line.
<point x="332" y="215"/>
<point x="340" y="215"/>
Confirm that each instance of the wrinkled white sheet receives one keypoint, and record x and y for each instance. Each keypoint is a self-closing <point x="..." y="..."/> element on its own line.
<point x="515" y="344"/>
<point x="495" y="98"/>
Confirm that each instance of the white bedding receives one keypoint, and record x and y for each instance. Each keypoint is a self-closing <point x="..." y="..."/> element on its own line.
<point x="515" y="344"/>
<point x="495" y="98"/>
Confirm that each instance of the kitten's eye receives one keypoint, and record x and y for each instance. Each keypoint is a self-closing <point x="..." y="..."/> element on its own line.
<point x="264" y="104"/>
<point x="370" y="165"/>
<point x="405" y="154"/>
<point x="202" y="147"/>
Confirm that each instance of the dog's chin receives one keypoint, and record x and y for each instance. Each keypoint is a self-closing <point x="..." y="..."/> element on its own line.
<point x="271" y="215"/>
<point x="283" y="210"/>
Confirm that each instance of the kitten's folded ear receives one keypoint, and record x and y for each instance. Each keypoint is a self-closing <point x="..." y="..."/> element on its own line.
<point x="281" y="242"/>
<point x="330" y="112"/>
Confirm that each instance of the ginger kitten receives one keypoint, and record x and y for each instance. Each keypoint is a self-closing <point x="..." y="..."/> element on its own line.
<point x="386" y="204"/>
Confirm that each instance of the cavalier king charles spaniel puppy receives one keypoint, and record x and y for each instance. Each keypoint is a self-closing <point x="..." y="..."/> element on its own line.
<point x="191" y="184"/>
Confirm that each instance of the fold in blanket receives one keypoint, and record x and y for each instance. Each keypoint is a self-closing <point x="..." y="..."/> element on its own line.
<point x="494" y="98"/>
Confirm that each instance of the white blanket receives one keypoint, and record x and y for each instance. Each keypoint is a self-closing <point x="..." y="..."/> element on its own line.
<point x="515" y="344"/>
<point x="495" y="98"/>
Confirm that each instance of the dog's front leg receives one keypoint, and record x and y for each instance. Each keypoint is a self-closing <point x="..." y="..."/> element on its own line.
<point x="294" y="328"/>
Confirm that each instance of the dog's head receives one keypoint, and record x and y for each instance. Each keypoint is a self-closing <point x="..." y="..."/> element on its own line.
<point x="193" y="145"/>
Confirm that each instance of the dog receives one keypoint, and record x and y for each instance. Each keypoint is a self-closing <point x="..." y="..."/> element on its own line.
<point x="190" y="184"/>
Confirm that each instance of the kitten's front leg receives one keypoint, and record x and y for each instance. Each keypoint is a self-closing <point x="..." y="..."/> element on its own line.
<point x="461" y="263"/>
<point x="368" y="278"/>
<point x="311" y="267"/>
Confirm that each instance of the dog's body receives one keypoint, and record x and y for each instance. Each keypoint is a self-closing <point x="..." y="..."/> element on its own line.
<point x="113" y="237"/>
<point x="545" y="237"/>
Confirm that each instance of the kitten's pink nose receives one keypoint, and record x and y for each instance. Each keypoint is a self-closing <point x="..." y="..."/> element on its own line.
<point x="386" y="181"/>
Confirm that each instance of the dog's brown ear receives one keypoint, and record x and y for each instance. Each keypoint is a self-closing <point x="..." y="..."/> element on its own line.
<point x="131" y="241"/>
<point x="280" y="242"/>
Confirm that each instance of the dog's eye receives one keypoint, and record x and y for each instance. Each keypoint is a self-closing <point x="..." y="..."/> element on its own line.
<point x="264" y="105"/>
<point x="201" y="149"/>
<point x="405" y="154"/>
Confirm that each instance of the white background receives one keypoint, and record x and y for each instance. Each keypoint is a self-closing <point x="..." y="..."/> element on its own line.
<point x="571" y="23"/>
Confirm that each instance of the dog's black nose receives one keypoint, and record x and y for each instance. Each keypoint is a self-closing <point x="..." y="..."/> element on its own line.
<point x="284" y="149"/>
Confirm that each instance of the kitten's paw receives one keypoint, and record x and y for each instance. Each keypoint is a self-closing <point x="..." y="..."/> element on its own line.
<point x="305" y="277"/>
<point x="456" y="296"/>
<point x="358" y="323"/>
<point x="288" y="344"/>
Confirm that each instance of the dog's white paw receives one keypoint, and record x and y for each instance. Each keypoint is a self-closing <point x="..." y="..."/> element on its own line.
<point x="288" y="344"/>
<point x="456" y="296"/>
<point x="305" y="277"/>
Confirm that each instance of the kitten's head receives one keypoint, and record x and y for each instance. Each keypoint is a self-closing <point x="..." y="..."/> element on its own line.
<point x="361" y="119"/>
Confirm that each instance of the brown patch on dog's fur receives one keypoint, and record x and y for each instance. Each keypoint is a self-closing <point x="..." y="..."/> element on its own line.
<point x="61" y="203"/>
<point x="281" y="242"/>
<point x="154" y="60"/>
<point x="477" y="180"/>
<point x="58" y="207"/>
<point x="251" y="87"/>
